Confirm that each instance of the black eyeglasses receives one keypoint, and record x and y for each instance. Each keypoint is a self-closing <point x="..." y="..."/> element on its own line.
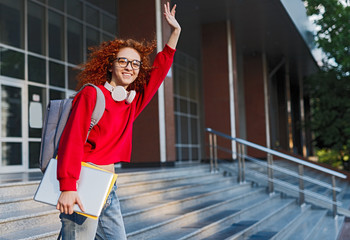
<point x="124" y="62"/>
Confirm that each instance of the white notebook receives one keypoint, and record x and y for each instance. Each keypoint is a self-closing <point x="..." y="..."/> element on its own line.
<point x="93" y="188"/>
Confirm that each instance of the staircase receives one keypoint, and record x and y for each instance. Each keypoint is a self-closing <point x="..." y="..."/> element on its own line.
<point x="183" y="202"/>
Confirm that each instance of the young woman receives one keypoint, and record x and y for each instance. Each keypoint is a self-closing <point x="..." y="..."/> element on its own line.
<point x="121" y="69"/>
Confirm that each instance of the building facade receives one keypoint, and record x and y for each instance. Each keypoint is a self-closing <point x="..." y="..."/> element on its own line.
<point x="239" y="69"/>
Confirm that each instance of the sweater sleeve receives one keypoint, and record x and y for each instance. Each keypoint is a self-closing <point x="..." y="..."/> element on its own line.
<point x="71" y="145"/>
<point x="161" y="66"/>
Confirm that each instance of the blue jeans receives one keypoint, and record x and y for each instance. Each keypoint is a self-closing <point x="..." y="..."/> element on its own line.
<point x="110" y="224"/>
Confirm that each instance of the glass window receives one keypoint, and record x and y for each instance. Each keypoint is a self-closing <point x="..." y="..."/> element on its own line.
<point x="54" y="94"/>
<point x="75" y="42"/>
<point x="184" y="130"/>
<point x="11" y="153"/>
<point x="75" y="8"/>
<point x="34" y="150"/>
<point x="57" y="4"/>
<point x="185" y="154"/>
<point x="11" y="114"/>
<point x="92" y="16"/>
<point x="92" y="38"/>
<point x="36" y="69"/>
<point x="72" y="77"/>
<point x="194" y="131"/>
<point x="193" y="87"/>
<point x="57" y="76"/>
<point x="193" y="108"/>
<point x="36" y="28"/>
<point x="11" y="23"/>
<point x="178" y="127"/>
<point x="37" y="106"/>
<point x="12" y="63"/>
<point x="195" y="154"/>
<point x="106" y="37"/>
<point x="109" y="24"/>
<point x="183" y="86"/>
<point x="56" y="35"/>
<point x="183" y="106"/>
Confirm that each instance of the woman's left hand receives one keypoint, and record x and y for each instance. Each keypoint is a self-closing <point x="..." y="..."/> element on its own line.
<point x="170" y="16"/>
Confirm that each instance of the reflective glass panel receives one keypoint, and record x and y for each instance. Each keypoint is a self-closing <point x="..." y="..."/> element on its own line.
<point x="56" y="35"/>
<point x="109" y="24"/>
<point x="54" y="94"/>
<point x="57" y="4"/>
<point x="12" y="23"/>
<point x="194" y="131"/>
<point x="37" y="106"/>
<point x="184" y="130"/>
<point x="36" y="28"/>
<point x="92" y="16"/>
<point x="11" y="153"/>
<point x="72" y="78"/>
<point x="36" y="69"/>
<point x="34" y="150"/>
<point x="185" y="154"/>
<point x="92" y="38"/>
<point x="12" y="63"/>
<point x="106" y="37"/>
<point x="75" y="8"/>
<point x="75" y="42"/>
<point x="56" y="75"/>
<point x="11" y="111"/>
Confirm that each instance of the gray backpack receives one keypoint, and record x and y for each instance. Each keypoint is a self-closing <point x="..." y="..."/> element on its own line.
<point x="55" y="119"/>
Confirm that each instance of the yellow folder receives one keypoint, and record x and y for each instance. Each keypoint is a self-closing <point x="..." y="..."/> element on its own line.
<point x="94" y="186"/>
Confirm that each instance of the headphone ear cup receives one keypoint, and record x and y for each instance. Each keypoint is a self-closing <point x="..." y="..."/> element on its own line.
<point x="119" y="93"/>
<point x="130" y="96"/>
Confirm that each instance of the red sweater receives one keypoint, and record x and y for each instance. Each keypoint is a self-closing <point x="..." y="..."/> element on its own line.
<point x="110" y="140"/>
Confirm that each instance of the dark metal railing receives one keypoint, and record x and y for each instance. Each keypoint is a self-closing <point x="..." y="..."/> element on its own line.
<point x="271" y="181"/>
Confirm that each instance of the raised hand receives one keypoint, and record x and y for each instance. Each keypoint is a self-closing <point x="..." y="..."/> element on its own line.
<point x="170" y="16"/>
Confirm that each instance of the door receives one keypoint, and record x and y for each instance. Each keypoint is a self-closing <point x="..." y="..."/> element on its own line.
<point x="11" y="127"/>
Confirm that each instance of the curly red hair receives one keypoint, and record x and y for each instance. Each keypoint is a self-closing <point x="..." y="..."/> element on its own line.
<point x="96" y="69"/>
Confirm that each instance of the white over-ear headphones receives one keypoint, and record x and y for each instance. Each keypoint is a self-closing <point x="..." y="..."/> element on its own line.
<point x="120" y="94"/>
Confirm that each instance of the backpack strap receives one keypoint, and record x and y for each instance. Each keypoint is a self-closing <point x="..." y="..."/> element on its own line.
<point x="99" y="107"/>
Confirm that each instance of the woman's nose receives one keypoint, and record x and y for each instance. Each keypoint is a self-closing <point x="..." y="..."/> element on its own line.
<point x="128" y="66"/>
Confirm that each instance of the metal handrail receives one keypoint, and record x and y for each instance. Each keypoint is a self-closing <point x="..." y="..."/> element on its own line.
<point x="279" y="154"/>
<point x="241" y="156"/>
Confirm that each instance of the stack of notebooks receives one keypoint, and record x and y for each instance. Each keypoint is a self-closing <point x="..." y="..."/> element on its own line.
<point x="94" y="186"/>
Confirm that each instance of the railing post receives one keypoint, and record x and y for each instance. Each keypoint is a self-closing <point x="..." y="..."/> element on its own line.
<point x="211" y="151"/>
<point x="270" y="172"/>
<point x="215" y="154"/>
<point x="335" y="210"/>
<point x="239" y="158"/>
<point x="243" y="162"/>
<point x="301" y="185"/>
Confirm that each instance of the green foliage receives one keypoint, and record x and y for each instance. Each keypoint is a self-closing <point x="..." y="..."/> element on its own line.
<point x="330" y="157"/>
<point x="330" y="88"/>
<point x="333" y="18"/>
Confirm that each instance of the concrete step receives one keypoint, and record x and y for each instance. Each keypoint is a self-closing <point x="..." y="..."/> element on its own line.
<point x="143" y="200"/>
<point x="303" y="224"/>
<point x="146" y="186"/>
<point x="43" y="232"/>
<point x="239" y="228"/>
<point x="146" y="175"/>
<point x="188" y="219"/>
<point x="181" y="203"/>
<point x="327" y="229"/>
<point x="162" y="211"/>
<point x="17" y="190"/>
<point x="23" y="223"/>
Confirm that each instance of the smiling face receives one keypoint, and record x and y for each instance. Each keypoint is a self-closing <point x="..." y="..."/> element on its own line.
<point x="123" y="76"/>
